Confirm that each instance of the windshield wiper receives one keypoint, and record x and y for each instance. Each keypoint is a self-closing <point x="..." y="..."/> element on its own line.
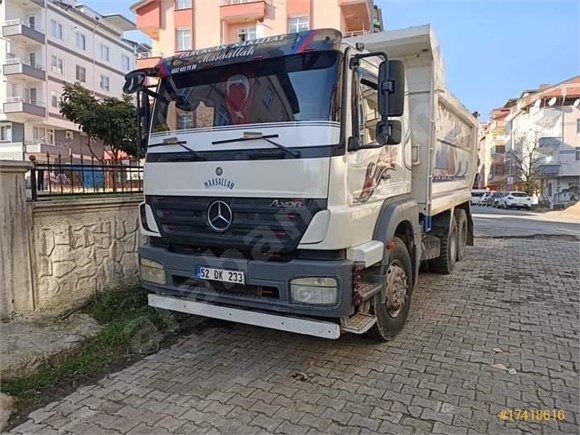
<point x="181" y="143"/>
<point x="255" y="136"/>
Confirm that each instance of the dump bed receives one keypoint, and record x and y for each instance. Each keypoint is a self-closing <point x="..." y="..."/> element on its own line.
<point x="441" y="131"/>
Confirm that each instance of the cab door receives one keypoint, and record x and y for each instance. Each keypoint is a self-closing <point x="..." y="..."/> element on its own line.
<point x="373" y="174"/>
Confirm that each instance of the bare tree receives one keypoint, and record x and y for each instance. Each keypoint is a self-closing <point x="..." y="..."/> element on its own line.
<point x="525" y="160"/>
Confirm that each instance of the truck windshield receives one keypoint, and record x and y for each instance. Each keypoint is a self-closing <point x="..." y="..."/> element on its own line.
<point x="302" y="87"/>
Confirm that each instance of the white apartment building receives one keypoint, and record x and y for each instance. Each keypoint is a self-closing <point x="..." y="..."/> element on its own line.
<point x="45" y="44"/>
<point x="545" y="125"/>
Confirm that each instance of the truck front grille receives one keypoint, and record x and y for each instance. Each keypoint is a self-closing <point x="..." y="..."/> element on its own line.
<point x="260" y="227"/>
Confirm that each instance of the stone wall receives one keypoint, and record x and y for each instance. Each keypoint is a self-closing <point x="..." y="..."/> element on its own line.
<point x="82" y="247"/>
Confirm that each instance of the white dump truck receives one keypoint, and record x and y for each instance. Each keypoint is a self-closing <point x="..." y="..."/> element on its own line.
<point x="297" y="182"/>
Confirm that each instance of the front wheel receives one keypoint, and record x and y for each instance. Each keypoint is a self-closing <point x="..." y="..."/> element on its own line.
<point x="392" y="314"/>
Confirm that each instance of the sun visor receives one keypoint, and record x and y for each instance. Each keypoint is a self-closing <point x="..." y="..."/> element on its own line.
<point x="255" y="49"/>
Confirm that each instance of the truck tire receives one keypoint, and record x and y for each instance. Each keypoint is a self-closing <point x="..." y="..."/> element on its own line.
<point x="461" y="219"/>
<point x="391" y="317"/>
<point x="445" y="263"/>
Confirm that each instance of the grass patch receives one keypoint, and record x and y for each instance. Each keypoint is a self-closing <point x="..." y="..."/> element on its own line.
<point x="131" y="329"/>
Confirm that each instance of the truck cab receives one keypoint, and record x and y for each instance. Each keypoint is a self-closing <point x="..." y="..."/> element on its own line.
<point x="279" y="185"/>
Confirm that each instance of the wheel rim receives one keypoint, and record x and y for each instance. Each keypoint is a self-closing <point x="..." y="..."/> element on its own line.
<point x="397" y="288"/>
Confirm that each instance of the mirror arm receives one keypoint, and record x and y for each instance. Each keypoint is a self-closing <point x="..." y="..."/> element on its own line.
<point x="355" y="61"/>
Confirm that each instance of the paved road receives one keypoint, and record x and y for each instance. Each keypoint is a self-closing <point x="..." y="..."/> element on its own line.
<point x="493" y="222"/>
<point x="436" y="376"/>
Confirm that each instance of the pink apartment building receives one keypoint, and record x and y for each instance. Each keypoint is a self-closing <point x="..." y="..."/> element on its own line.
<point x="180" y="25"/>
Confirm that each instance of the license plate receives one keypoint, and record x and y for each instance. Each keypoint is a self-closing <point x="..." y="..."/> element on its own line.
<point x="223" y="275"/>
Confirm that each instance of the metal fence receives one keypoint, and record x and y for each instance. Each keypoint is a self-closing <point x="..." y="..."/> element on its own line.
<point x="77" y="177"/>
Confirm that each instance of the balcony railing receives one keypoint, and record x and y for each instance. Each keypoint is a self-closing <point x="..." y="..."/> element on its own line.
<point x="24" y="105"/>
<point x="19" y="67"/>
<point x="353" y="34"/>
<point x="19" y="30"/>
<point x="148" y="54"/>
<point x="235" y="2"/>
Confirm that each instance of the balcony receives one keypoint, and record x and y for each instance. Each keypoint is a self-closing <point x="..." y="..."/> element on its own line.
<point x="357" y="14"/>
<point x="40" y="147"/>
<point x="20" y="106"/>
<point x="149" y="18"/>
<point x="496" y="127"/>
<point x="148" y="60"/>
<point x="16" y="30"/>
<point x="235" y="11"/>
<point x="19" y="69"/>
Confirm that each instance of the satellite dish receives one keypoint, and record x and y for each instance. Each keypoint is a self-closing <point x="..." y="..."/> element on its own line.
<point x="537" y="103"/>
<point x="576" y="102"/>
<point x="552" y="101"/>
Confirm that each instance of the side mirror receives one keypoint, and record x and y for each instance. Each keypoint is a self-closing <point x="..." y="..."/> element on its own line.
<point x="389" y="132"/>
<point x="391" y="88"/>
<point x="134" y="82"/>
<point x="397" y="88"/>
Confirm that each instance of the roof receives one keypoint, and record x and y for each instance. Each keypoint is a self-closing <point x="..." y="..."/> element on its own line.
<point x="139" y="4"/>
<point x="119" y="21"/>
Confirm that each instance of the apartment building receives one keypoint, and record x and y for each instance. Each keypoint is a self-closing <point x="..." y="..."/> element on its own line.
<point x="491" y="157"/>
<point x="45" y="44"/>
<point x="543" y="130"/>
<point x="180" y="25"/>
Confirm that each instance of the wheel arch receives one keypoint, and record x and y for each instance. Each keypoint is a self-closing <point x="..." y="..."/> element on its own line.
<point x="400" y="218"/>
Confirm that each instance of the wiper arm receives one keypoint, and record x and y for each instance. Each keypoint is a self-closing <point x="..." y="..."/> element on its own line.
<point x="255" y="136"/>
<point x="181" y="143"/>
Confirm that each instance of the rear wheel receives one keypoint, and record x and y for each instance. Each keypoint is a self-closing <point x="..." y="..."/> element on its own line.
<point x="392" y="314"/>
<point x="445" y="263"/>
<point x="461" y="219"/>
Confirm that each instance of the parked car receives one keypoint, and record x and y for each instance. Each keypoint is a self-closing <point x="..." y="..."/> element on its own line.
<point x="484" y="198"/>
<point x="515" y="200"/>
<point x="477" y="195"/>
<point x="498" y="197"/>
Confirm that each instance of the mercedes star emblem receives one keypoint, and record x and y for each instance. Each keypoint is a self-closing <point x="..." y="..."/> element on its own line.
<point x="219" y="216"/>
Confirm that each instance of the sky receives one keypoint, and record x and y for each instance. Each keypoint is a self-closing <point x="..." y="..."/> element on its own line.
<point x="492" y="49"/>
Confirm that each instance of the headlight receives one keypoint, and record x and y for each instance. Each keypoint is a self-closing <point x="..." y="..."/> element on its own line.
<point x="314" y="290"/>
<point x="152" y="271"/>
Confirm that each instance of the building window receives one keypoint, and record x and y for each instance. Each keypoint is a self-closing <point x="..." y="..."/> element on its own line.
<point x="81" y="41"/>
<point x="297" y="24"/>
<point x="6" y="133"/>
<point x="56" y="64"/>
<point x="577" y="153"/>
<point x="49" y="136"/>
<point x="184" y="121"/>
<point x="182" y="4"/>
<point x="223" y="117"/>
<point x="81" y="74"/>
<point x="105" y="52"/>
<point x="183" y="38"/>
<point x="246" y="34"/>
<point x="125" y="62"/>
<point x="53" y="99"/>
<point x="268" y="97"/>
<point x="578" y="125"/>
<point x="105" y="83"/>
<point x="56" y="29"/>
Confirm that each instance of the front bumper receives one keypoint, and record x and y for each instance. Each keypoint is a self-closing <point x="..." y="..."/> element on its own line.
<point x="272" y="276"/>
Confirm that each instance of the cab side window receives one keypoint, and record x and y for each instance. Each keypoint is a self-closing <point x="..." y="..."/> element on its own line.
<point x="368" y="114"/>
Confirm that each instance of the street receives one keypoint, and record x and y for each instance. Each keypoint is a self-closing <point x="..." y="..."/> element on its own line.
<point x="512" y="304"/>
<point x="494" y="222"/>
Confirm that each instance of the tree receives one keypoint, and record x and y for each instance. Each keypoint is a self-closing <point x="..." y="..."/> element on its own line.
<point x="112" y="120"/>
<point x="78" y="105"/>
<point x="525" y="161"/>
<point x="116" y="126"/>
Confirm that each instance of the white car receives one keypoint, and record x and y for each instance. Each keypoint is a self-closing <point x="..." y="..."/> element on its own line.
<point x="476" y="196"/>
<point x="515" y="200"/>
